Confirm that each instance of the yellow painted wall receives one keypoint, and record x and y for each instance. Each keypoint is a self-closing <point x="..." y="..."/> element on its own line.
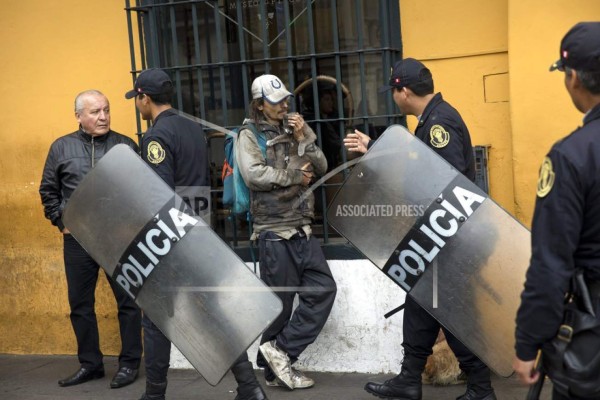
<point x="501" y="48"/>
<point x="489" y="58"/>
<point x="465" y="45"/>
<point x="541" y="110"/>
<point x="51" y="50"/>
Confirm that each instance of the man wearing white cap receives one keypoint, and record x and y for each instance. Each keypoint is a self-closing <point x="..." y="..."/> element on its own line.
<point x="282" y="208"/>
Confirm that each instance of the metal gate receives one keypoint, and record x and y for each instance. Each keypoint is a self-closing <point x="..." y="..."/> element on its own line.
<point x="334" y="53"/>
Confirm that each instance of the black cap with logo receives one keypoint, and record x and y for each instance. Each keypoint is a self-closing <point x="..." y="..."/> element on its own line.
<point x="151" y="81"/>
<point x="580" y="48"/>
<point x="406" y="72"/>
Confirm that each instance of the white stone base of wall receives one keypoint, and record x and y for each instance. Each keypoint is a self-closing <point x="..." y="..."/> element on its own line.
<point x="357" y="338"/>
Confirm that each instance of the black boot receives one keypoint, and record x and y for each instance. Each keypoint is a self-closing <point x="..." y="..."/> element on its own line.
<point x="479" y="385"/>
<point x="406" y="386"/>
<point x="248" y="386"/>
<point x="155" y="391"/>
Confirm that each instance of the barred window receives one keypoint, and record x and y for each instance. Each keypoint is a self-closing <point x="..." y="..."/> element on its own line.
<point x="333" y="54"/>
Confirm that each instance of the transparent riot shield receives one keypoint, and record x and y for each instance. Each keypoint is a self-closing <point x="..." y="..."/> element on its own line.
<point x="440" y="238"/>
<point x="182" y="275"/>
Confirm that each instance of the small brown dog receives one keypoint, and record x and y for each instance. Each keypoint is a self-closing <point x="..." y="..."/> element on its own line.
<point x="442" y="366"/>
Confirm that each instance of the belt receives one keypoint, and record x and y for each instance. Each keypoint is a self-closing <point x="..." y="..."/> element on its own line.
<point x="299" y="233"/>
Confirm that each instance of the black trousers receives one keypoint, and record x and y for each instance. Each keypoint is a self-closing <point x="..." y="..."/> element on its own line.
<point x="296" y="266"/>
<point x="82" y="275"/>
<point x="157" y="352"/>
<point x="420" y="332"/>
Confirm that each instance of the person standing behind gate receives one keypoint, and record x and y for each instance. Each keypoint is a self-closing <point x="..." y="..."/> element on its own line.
<point x="442" y="128"/>
<point x="175" y="148"/>
<point x="282" y="210"/>
<point x="565" y="231"/>
<point x="70" y="158"/>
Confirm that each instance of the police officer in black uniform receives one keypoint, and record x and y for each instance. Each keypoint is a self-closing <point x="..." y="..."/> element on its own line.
<point x="566" y="223"/>
<point x="175" y="148"/>
<point x="441" y="127"/>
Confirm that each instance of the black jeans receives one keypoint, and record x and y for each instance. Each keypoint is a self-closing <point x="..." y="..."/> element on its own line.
<point x="296" y="266"/>
<point x="82" y="275"/>
<point x="420" y="332"/>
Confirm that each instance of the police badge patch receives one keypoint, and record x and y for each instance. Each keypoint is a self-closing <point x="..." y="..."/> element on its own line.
<point x="156" y="154"/>
<point x="439" y="137"/>
<point x="546" y="178"/>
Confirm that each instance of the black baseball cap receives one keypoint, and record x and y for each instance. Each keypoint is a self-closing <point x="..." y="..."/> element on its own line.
<point x="580" y="48"/>
<point x="151" y="81"/>
<point x="405" y="73"/>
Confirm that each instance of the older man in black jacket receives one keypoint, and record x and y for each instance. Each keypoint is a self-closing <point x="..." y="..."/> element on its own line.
<point x="70" y="158"/>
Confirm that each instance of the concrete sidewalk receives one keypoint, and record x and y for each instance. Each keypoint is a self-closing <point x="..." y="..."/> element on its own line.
<point x="35" y="377"/>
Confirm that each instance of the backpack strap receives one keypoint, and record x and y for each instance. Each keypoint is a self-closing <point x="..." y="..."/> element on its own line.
<point x="262" y="144"/>
<point x="260" y="138"/>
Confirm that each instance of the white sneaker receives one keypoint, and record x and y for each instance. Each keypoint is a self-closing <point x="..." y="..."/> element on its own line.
<point x="279" y="362"/>
<point x="299" y="380"/>
<point x="273" y="383"/>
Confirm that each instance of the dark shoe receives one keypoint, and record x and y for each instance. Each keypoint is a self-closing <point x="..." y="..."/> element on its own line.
<point x="123" y="377"/>
<point x="255" y="394"/>
<point x="81" y="376"/>
<point x="405" y="386"/>
<point x="479" y="385"/>
<point x="155" y="391"/>
<point x="391" y="390"/>
<point x="472" y="394"/>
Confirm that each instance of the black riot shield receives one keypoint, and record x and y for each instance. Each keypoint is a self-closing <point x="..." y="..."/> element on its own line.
<point x="181" y="274"/>
<point x="440" y="238"/>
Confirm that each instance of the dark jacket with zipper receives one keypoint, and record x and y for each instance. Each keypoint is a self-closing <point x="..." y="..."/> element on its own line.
<point x="70" y="158"/>
<point x="565" y="235"/>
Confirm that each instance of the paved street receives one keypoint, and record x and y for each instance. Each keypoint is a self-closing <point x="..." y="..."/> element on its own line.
<point x="35" y="378"/>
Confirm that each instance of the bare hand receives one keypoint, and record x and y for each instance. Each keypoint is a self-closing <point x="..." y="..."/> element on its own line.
<point x="306" y="178"/>
<point x="296" y="122"/>
<point x="307" y="174"/>
<point x="357" y="142"/>
<point x="525" y="371"/>
<point x="66" y="231"/>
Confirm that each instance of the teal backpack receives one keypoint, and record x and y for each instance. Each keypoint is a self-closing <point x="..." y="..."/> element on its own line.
<point x="236" y="194"/>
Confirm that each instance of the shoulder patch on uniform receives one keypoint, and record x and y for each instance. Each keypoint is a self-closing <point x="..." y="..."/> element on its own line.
<point x="546" y="178"/>
<point x="155" y="152"/>
<point x="438" y="136"/>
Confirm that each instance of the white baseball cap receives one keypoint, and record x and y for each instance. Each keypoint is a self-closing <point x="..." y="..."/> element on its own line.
<point x="270" y="88"/>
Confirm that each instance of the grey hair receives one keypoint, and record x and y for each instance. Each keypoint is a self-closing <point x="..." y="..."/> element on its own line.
<point x="590" y="80"/>
<point x="79" y="98"/>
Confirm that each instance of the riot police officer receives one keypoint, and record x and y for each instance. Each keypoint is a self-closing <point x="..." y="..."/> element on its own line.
<point x="175" y="148"/>
<point x="566" y="222"/>
<point x="442" y="128"/>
